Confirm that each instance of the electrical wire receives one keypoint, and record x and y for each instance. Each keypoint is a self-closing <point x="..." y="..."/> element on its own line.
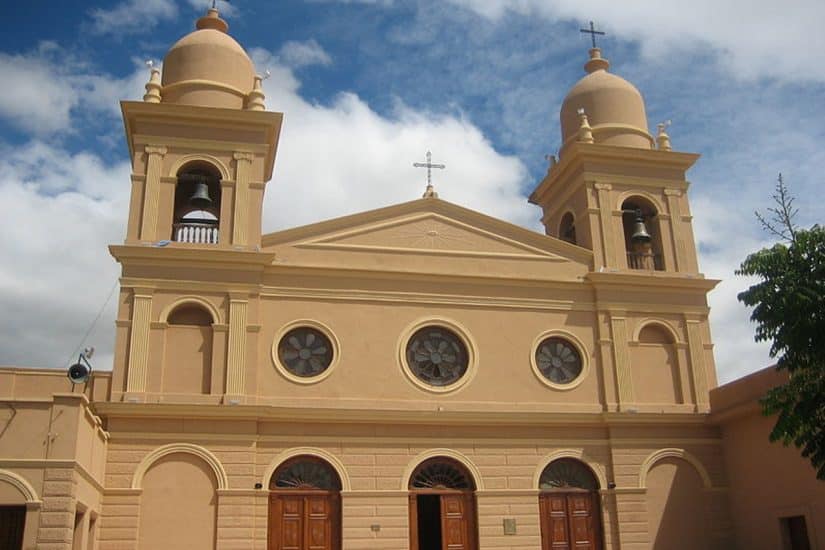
<point x="92" y="326"/>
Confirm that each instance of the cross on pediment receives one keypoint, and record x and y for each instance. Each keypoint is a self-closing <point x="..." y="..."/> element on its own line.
<point x="429" y="166"/>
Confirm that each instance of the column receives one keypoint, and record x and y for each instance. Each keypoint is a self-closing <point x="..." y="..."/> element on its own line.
<point x="236" y="354"/>
<point x="240" y="229"/>
<point x="151" y="197"/>
<point x="139" y="342"/>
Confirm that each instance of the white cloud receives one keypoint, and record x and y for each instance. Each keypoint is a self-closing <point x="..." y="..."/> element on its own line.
<point x="48" y="89"/>
<point x="345" y="158"/>
<point x="753" y="38"/>
<point x="59" y="213"/>
<point x="300" y="54"/>
<point x="34" y="98"/>
<point x="132" y="16"/>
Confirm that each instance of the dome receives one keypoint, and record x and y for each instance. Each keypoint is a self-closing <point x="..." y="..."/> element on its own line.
<point x="614" y="108"/>
<point x="207" y="68"/>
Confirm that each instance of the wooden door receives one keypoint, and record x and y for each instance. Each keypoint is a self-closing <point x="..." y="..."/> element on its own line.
<point x="570" y="521"/>
<point x="304" y="521"/>
<point x="457" y="522"/>
<point x="12" y="522"/>
<point x="457" y="525"/>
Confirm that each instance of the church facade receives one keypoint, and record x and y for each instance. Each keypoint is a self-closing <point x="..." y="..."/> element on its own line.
<point x="419" y="376"/>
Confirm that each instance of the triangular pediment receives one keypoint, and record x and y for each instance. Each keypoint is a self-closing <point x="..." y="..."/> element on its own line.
<point x="426" y="228"/>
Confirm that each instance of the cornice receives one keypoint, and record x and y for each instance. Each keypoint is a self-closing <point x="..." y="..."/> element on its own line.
<point x="653" y="280"/>
<point x="238" y="119"/>
<point x="172" y="254"/>
<point x="446" y="414"/>
<point x="577" y="154"/>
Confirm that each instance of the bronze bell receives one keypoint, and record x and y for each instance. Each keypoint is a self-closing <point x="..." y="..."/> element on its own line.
<point x="200" y="198"/>
<point x="640" y="234"/>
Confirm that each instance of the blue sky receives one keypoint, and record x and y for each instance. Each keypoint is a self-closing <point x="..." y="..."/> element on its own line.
<point x="367" y="87"/>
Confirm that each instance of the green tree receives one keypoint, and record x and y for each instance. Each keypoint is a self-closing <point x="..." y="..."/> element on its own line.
<point x="789" y="311"/>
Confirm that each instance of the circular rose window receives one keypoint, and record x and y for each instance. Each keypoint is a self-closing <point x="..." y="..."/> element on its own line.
<point x="437" y="356"/>
<point x="305" y="352"/>
<point x="558" y="360"/>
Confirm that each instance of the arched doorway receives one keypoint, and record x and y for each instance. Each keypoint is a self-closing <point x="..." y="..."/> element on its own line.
<point x="569" y="507"/>
<point x="442" y="506"/>
<point x="305" y="506"/>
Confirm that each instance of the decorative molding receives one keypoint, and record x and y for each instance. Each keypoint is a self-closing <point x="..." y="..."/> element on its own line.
<point x="156" y="150"/>
<point x="199" y="157"/>
<point x="188" y="448"/>
<point x="240" y="155"/>
<point x="658" y="321"/>
<point x="191" y="299"/>
<point x="673" y="452"/>
<point x="331" y="459"/>
<point x="21" y="484"/>
<point x="577" y="454"/>
<point x="438" y="452"/>
<point x="460" y="331"/>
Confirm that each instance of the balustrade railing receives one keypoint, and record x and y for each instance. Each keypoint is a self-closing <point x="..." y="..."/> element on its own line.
<point x="196" y="232"/>
<point x="645" y="261"/>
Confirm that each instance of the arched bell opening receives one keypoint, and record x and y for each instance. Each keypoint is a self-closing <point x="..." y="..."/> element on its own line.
<point x="567" y="228"/>
<point x="569" y="506"/>
<point x="442" y="506"/>
<point x="305" y="505"/>
<point x="642" y="236"/>
<point x="197" y="204"/>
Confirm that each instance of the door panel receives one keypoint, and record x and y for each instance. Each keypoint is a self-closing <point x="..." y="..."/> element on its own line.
<point x="303" y="522"/>
<point x="569" y="521"/>
<point x="454" y="522"/>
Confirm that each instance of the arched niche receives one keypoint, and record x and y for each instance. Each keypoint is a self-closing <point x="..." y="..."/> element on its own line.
<point x="676" y="501"/>
<point x="642" y="234"/>
<point x="654" y="364"/>
<point x="187" y="352"/>
<point x="178" y="503"/>
<point x="197" y="206"/>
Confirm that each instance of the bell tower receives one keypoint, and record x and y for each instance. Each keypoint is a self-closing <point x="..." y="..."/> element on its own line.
<point x="618" y="191"/>
<point x="614" y="189"/>
<point x="202" y="147"/>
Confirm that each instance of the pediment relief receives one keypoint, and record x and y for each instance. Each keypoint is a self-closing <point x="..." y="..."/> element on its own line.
<point x="432" y="234"/>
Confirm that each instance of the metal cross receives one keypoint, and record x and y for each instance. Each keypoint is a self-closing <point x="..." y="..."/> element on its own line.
<point x="429" y="166"/>
<point x="592" y="32"/>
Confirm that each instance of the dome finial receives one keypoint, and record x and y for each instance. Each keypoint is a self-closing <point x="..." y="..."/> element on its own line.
<point x="662" y="139"/>
<point x="585" y="131"/>
<point x="212" y="20"/>
<point x="596" y="62"/>
<point x="153" y="87"/>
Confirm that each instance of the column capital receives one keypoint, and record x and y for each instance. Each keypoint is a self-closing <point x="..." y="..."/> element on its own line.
<point x="673" y="192"/>
<point x="603" y="186"/>
<point x="156" y="150"/>
<point x="239" y="155"/>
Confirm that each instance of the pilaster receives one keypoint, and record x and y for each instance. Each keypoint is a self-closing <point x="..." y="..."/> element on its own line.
<point x="606" y="223"/>
<point x="678" y="243"/>
<point x="139" y="342"/>
<point x="697" y="364"/>
<point x="240" y="229"/>
<point x="621" y="359"/>
<point x="236" y="355"/>
<point x="151" y="198"/>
